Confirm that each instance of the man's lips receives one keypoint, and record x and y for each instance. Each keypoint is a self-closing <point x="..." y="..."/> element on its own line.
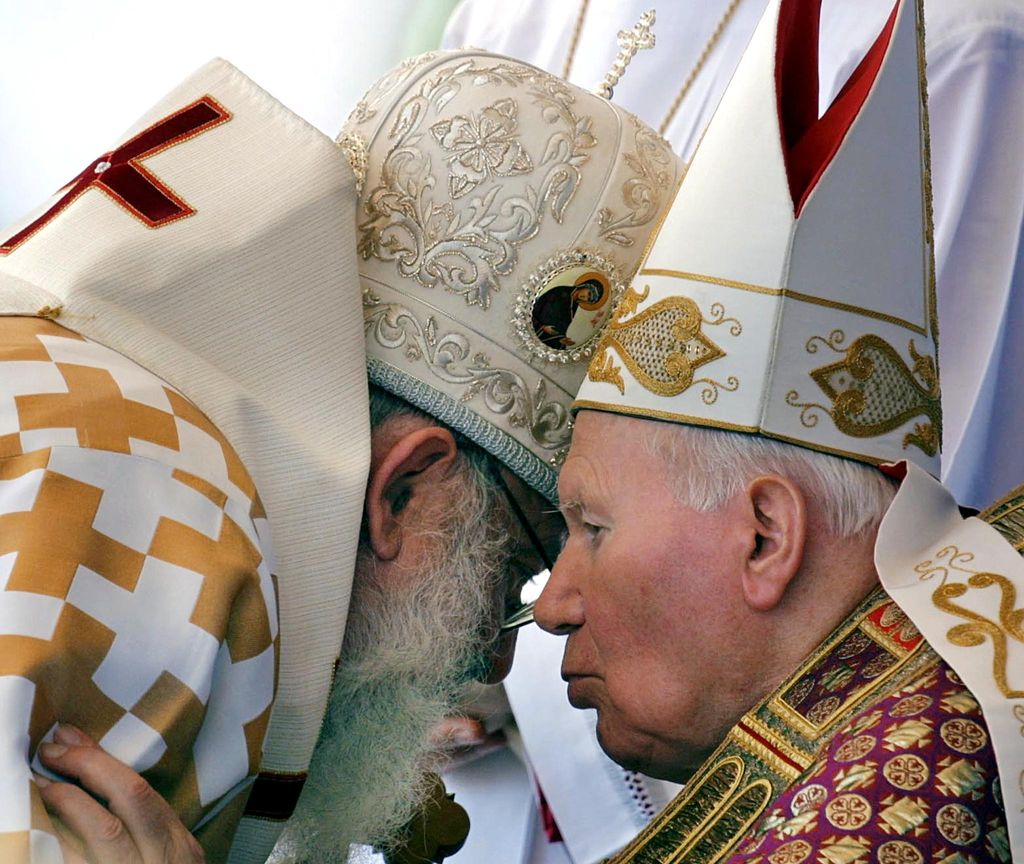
<point x="576" y="687"/>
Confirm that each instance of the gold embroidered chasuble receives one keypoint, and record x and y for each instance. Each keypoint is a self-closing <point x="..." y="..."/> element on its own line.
<point x="873" y="652"/>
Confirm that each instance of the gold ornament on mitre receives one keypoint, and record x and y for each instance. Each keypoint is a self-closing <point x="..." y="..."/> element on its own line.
<point x="790" y="290"/>
<point x="501" y="214"/>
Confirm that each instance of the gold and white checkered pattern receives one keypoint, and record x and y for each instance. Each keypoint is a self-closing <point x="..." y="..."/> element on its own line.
<point x="213" y="245"/>
<point x="137" y="598"/>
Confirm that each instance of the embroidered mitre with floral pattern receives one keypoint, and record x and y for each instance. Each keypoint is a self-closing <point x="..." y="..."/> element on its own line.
<point x="502" y="212"/>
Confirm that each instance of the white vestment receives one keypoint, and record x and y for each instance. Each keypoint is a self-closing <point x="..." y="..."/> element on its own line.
<point x="975" y="55"/>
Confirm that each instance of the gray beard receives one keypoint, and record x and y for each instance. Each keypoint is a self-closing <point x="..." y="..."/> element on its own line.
<point x="406" y="660"/>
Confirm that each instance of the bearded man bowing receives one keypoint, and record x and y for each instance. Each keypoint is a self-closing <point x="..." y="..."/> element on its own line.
<point x="190" y="319"/>
<point x="826" y="652"/>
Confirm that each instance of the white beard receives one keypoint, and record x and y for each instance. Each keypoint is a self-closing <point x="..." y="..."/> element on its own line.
<point x="406" y="660"/>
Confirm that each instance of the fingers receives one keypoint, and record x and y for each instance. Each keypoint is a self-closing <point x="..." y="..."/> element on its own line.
<point x="139" y="825"/>
<point x="101" y="835"/>
<point x="453" y="732"/>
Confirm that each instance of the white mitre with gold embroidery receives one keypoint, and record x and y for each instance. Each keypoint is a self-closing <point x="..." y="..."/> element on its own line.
<point x="502" y="213"/>
<point x="214" y="246"/>
<point x="789" y="290"/>
<point x="788" y="294"/>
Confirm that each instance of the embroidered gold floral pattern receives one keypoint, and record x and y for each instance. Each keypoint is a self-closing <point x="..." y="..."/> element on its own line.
<point x="873" y="391"/>
<point x="481" y="146"/>
<point x="449" y="357"/>
<point x="850" y="811"/>
<point x="811" y="797"/>
<point x="794" y="852"/>
<point x="856" y="748"/>
<point x="822" y="710"/>
<point x="467" y="251"/>
<point x="644" y="192"/>
<point x="965" y="736"/>
<point x="906" y="771"/>
<point x="899" y="852"/>
<point x="911" y="705"/>
<point x="958" y="824"/>
<point x="663" y="346"/>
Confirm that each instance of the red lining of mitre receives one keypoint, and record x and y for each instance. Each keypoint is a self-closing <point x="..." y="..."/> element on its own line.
<point x="809" y="143"/>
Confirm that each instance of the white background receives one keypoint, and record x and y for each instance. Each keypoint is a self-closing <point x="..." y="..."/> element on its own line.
<point x="75" y="75"/>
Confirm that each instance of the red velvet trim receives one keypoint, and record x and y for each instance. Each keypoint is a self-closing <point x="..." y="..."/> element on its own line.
<point x="127" y="182"/>
<point x="810" y="145"/>
<point x="796" y="71"/>
<point x="547" y="818"/>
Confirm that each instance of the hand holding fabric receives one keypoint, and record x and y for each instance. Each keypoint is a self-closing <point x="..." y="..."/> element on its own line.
<point x="135" y="825"/>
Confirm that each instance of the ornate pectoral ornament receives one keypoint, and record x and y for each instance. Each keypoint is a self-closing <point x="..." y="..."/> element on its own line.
<point x="663" y="346"/>
<point x="873" y="391"/>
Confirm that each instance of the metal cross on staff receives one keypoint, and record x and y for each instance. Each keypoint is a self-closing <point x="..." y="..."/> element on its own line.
<point x="630" y="41"/>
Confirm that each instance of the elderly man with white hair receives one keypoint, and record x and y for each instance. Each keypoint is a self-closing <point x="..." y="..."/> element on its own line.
<point x="765" y="592"/>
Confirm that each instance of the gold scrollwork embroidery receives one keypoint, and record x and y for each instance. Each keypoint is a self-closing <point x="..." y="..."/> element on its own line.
<point x="978" y="627"/>
<point x="467" y="250"/>
<point x="873" y="391"/>
<point x="663" y="346"/>
<point x="643" y="193"/>
<point x="449" y="357"/>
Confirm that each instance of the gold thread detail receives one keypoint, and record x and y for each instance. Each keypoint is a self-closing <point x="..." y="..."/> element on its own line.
<point x="575" y="40"/>
<point x="787" y="293"/>
<point x="1007" y="517"/>
<point x="874" y="392"/>
<point x="354" y="146"/>
<point x="663" y="346"/>
<point x="1010" y="625"/>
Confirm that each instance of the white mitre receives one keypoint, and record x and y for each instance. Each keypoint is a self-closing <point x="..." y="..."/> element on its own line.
<point x="214" y="246"/>
<point x="789" y="294"/>
<point x="501" y="215"/>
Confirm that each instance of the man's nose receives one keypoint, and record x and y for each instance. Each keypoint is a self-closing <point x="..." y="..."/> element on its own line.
<point x="559" y="608"/>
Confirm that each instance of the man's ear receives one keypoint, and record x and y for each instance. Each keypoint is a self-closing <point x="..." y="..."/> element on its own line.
<point x="777" y="514"/>
<point x="402" y="482"/>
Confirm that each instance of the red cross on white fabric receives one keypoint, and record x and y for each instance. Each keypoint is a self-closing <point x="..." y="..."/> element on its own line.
<point x="121" y="176"/>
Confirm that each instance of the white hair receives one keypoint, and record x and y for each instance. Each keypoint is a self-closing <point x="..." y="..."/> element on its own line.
<point x="712" y="465"/>
<point x="408" y="654"/>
